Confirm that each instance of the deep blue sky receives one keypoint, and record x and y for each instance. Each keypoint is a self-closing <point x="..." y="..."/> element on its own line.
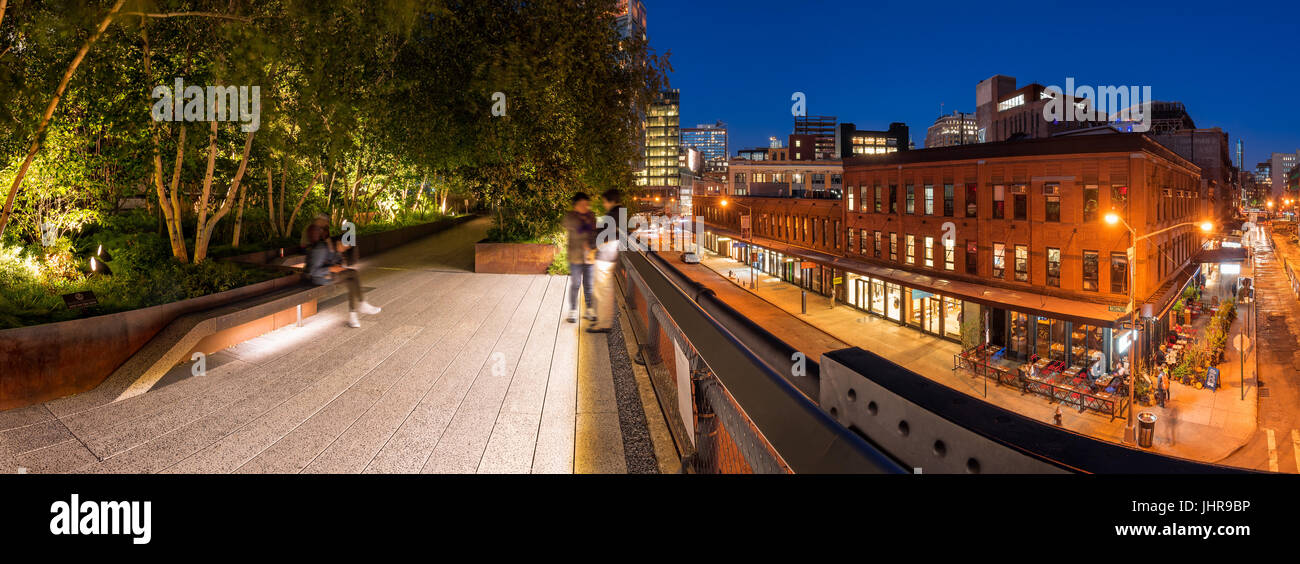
<point x="1236" y="65"/>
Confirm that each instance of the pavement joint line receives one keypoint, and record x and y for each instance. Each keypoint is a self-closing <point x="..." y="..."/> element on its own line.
<point x="1272" y="451"/>
<point x="393" y="384"/>
<point x="514" y="370"/>
<point x="504" y="294"/>
<point x="323" y="406"/>
<point x="314" y="381"/>
<point x="203" y="390"/>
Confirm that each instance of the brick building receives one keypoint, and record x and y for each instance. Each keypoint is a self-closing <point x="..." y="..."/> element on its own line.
<point x="1032" y="265"/>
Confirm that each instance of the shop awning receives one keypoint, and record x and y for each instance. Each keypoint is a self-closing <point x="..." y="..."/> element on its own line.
<point x="1220" y="255"/>
<point x="1031" y="303"/>
<point x="1168" y="293"/>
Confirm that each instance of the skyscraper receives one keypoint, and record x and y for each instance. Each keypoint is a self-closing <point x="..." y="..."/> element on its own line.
<point x="631" y="18"/>
<point x="711" y="141"/>
<point x="660" y="173"/>
<point x="958" y="128"/>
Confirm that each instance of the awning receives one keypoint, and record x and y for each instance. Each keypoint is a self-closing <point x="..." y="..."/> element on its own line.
<point x="1219" y="255"/>
<point x="1031" y="303"/>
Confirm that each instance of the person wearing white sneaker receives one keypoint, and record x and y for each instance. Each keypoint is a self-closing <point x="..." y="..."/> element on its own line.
<point x="580" y="225"/>
<point x="322" y="268"/>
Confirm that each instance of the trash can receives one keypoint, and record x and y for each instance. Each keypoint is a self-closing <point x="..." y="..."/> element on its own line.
<point x="1146" y="428"/>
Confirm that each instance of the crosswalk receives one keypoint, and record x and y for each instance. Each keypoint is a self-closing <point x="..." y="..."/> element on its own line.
<point x="1273" y="453"/>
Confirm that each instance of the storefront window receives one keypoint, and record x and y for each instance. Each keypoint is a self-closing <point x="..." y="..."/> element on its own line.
<point x="1018" y="342"/>
<point x="877" y="296"/>
<point x="894" y="301"/>
<point x="952" y="317"/>
<point x="916" y="309"/>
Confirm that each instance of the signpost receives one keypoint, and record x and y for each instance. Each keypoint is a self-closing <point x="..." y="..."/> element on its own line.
<point x="80" y="300"/>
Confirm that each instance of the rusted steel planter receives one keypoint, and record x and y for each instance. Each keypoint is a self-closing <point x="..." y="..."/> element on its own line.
<point x="44" y="362"/>
<point x="513" y="258"/>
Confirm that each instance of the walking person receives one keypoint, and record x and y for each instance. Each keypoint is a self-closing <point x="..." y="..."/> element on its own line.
<point x="322" y="269"/>
<point x="609" y="241"/>
<point x="580" y="223"/>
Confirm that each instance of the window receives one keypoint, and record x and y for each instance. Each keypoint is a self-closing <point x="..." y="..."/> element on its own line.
<point x="878" y="241"/>
<point x="880" y="199"/>
<point x="893" y="247"/>
<point x="862" y="243"/>
<point x="1022" y="263"/>
<point x="948" y="197"/>
<point x="929" y="252"/>
<point x="1090" y="270"/>
<point x="1020" y="200"/>
<point x="911" y="200"/>
<point x="911" y="249"/>
<point x="999" y="201"/>
<point x="972" y="200"/>
<point x="949" y="254"/>
<point x="1052" y="209"/>
<point x="1090" y="203"/>
<point x="893" y="198"/>
<point x="849" y="237"/>
<point x="972" y="257"/>
<point x="851" y="202"/>
<point x="1054" y="267"/>
<point x="999" y="261"/>
<point x="1119" y="198"/>
<point x="1119" y="273"/>
<point x="929" y="199"/>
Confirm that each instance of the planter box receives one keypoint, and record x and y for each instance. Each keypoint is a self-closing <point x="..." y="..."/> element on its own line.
<point x="44" y="362"/>
<point x="513" y="258"/>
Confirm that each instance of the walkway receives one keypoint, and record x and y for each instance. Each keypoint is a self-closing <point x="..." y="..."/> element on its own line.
<point x="460" y="373"/>
<point x="1276" y="444"/>
<point x="1197" y="424"/>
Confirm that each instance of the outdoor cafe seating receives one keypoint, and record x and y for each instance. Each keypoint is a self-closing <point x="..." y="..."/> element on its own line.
<point x="1073" y="385"/>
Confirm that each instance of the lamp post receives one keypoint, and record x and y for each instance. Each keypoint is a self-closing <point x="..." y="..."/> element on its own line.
<point x="749" y="243"/>
<point x="1113" y="218"/>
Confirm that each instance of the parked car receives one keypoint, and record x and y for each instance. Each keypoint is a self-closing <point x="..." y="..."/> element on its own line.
<point x="690" y="258"/>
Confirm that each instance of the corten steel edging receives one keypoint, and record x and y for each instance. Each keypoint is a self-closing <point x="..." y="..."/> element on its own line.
<point x="774" y="352"/>
<point x="808" y="439"/>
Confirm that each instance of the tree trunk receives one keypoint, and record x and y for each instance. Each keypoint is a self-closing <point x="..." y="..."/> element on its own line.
<point x="49" y="113"/>
<point x="314" y="179"/>
<point x="270" y="203"/>
<point x="203" y="235"/>
<point x="168" y="205"/>
<point x="239" y="218"/>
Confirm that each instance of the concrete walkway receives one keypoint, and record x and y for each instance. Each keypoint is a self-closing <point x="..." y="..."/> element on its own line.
<point x="460" y="373"/>
<point x="1198" y="424"/>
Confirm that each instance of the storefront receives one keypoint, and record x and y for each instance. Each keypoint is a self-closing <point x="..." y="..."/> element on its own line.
<point x="930" y="313"/>
<point x="1027" y="337"/>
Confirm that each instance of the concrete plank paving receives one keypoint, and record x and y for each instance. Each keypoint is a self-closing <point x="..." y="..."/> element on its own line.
<point x="461" y="372"/>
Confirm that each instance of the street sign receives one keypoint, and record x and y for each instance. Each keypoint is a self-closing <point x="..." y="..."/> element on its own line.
<point x="1117" y="309"/>
<point x="808" y="264"/>
<point x="838" y="280"/>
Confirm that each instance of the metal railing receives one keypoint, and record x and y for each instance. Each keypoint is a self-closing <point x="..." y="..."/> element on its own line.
<point x="718" y="371"/>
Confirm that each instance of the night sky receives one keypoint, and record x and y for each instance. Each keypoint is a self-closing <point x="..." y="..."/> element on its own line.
<point x="1235" y="65"/>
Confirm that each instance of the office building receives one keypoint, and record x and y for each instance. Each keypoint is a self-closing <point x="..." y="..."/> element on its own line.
<point x="959" y="128"/>
<point x="711" y="141"/>
<point x="822" y="130"/>
<point x="661" y="165"/>
<point x="1004" y="112"/>
<point x="851" y="141"/>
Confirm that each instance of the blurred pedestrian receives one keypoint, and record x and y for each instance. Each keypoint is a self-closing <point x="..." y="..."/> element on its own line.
<point x="323" y="260"/>
<point x="611" y="236"/>
<point x="580" y="224"/>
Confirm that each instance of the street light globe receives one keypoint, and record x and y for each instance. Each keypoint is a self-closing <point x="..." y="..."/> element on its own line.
<point x="1112" y="218"/>
<point x="1207" y="227"/>
<point x="1270" y="203"/>
<point x="724" y="203"/>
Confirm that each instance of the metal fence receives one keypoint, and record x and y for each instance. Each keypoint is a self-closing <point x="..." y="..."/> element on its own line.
<point x="730" y="408"/>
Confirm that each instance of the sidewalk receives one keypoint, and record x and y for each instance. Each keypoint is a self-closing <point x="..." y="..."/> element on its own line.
<point x="1201" y="425"/>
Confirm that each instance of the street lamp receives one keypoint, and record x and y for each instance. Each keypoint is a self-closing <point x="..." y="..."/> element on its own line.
<point x="749" y="244"/>
<point x="1114" y="218"/>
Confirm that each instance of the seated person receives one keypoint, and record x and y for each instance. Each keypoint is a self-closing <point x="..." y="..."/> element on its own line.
<point x="321" y="255"/>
